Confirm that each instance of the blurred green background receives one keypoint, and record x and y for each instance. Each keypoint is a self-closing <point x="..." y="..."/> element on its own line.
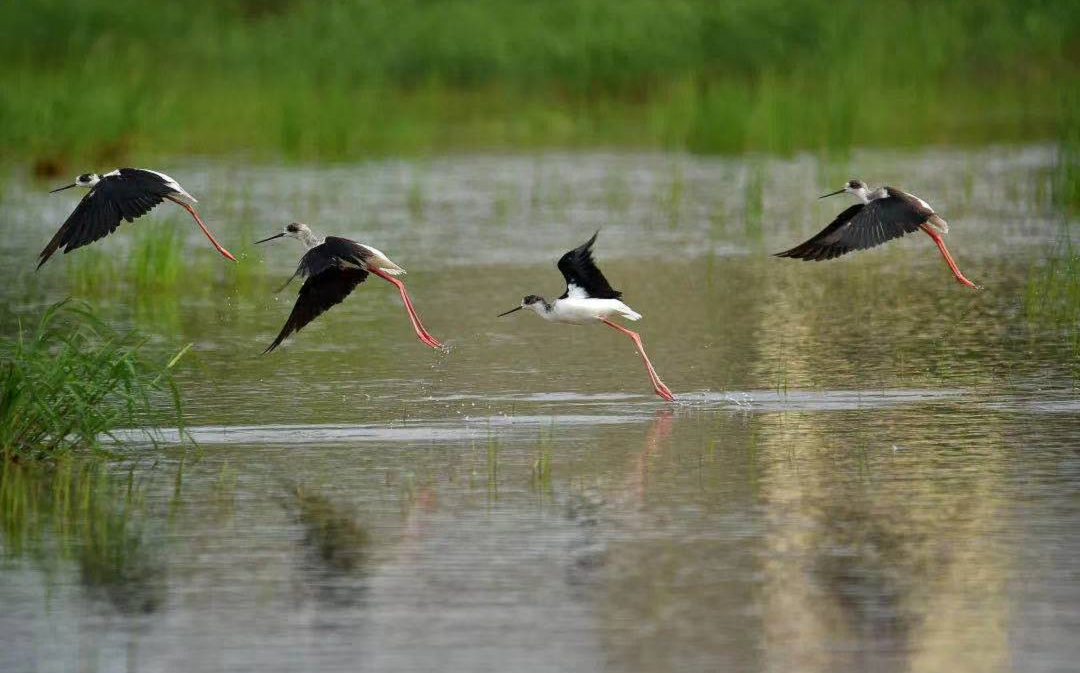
<point x="102" y="80"/>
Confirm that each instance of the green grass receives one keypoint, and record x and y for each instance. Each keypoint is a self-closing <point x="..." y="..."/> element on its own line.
<point x="72" y="380"/>
<point x="96" y="81"/>
<point x="1067" y="185"/>
<point x="1053" y="289"/>
<point x="155" y="262"/>
<point x="1052" y="300"/>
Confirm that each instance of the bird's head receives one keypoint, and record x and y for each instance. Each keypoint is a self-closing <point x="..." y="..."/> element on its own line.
<point x="533" y="302"/>
<point x="855" y="187"/>
<point x="84" y="180"/>
<point x="297" y="230"/>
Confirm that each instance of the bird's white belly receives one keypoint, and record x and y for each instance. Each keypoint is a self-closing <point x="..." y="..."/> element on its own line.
<point x="578" y="311"/>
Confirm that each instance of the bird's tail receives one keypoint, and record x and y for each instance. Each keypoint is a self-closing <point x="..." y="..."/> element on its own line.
<point x="937" y="224"/>
<point x="394" y="270"/>
<point x="629" y="313"/>
<point x="376" y="258"/>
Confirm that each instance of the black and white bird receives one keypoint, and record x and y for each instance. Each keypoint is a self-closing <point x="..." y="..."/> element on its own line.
<point x="881" y="215"/>
<point x="588" y="299"/>
<point x="333" y="267"/>
<point x="124" y="194"/>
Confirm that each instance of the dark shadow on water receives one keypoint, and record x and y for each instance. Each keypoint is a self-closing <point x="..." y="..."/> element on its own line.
<point x="335" y="545"/>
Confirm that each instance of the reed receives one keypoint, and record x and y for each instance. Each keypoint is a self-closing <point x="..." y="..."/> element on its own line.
<point x="73" y="380"/>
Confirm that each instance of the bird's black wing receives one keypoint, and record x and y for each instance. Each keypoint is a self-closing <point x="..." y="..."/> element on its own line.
<point x="860" y="227"/>
<point x="126" y="195"/>
<point x="582" y="275"/>
<point x="340" y="250"/>
<point x="135" y="191"/>
<point x="319" y="293"/>
<point x="332" y="252"/>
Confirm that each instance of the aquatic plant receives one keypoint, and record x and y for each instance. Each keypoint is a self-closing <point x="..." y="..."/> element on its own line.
<point x="1067" y="184"/>
<point x="1053" y="288"/>
<point x="73" y="379"/>
<point x="156" y="258"/>
<point x="1052" y="299"/>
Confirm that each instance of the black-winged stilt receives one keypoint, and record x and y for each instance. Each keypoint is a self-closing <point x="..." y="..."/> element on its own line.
<point x="124" y="194"/>
<point x="881" y="215"/>
<point x="589" y="298"/>
<point x="333" y="268"/>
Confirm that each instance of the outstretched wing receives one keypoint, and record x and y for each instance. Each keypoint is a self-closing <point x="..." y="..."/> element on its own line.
<point x="125" y="194"/>
<point x="583" y="278"/>
<point x="319" y="293"/>
<point x="332" y="252"/>
<point x="863" y="226"/>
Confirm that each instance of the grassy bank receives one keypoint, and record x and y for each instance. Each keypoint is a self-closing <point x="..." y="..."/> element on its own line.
<point x="72" y="380"/>
<point x="329" y="80"/>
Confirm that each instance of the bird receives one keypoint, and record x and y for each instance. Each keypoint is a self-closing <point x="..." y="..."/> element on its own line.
<point x="880" y="215"/>
<point x="332" y="268"/>
<point x="589" y="298"/>
<point x="123" y="194"/>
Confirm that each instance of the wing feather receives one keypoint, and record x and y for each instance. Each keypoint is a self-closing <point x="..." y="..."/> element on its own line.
<point x="126" y="194"/>
<point x="583" y="277"/>
<point x="863" y="226"/>
<point x="318" y="294"/>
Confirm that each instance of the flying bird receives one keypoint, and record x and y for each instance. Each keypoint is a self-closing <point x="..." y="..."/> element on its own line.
<point x="589" y="298"/>
<point x="333" y="267"/>
<point x="881" y="215"/>
<point x="124" y="194"/>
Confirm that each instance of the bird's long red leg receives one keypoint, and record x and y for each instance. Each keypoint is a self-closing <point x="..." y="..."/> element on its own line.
<point x="936" y="237"/>
<point x="418" y="327"/>
<point x="198" y="220"/>
<point x="658" y="385"/>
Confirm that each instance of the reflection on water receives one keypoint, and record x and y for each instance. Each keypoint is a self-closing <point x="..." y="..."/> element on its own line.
<point x="76" y="514"/>
<point x="870" y="467"/>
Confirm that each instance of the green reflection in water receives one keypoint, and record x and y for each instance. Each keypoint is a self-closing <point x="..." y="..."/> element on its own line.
<point x="82" y="513"/>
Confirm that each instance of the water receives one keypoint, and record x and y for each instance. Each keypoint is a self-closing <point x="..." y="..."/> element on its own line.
<point x="870" y="467"/>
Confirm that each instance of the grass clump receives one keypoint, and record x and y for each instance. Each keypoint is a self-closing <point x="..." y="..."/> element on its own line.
<point x="1052" y="294"/>
<point x="1068" y="161"/>
<point x="1052" y="300"/>
<point x="73" y="380"/>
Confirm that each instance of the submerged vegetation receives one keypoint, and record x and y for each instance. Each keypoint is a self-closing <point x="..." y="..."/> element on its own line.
<point x="310" y="79"/>
<point x="72" y="380"/>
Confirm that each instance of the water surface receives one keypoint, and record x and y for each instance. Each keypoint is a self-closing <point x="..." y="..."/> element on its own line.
<point x="870" y="467"/>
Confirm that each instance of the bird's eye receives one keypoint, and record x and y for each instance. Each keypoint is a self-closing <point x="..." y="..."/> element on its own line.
<point x="85" y="177"/>
<point x="291" y="228"/>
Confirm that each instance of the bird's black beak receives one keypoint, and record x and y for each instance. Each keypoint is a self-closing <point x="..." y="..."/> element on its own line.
<point x="518" y="308"/>
<point x="839" y="191"/>
<point x="60" y="189"/>
<point x="271" y="238"/>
